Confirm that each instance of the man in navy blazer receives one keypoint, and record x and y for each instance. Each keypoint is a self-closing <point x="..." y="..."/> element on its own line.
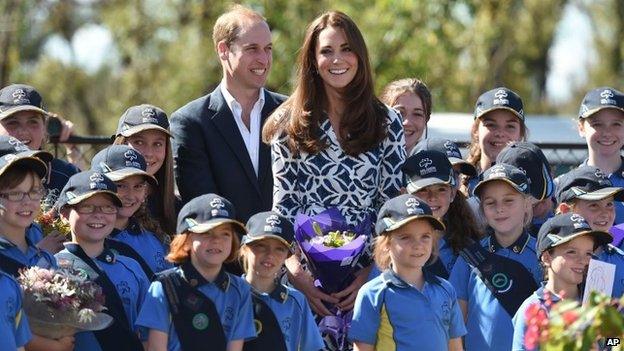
<point x="217" y="143"/>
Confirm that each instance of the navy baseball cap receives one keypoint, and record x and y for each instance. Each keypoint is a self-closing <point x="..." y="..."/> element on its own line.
<point x="499" y="99"/>
<point x="20" y="97"/>
<point x="530" y="159"/>
<point x="84" y="185"/>
<point x="599" y="99"/>
<point x="142" y="117"/>
<point x="451" y="150"/>
<point x="562" y="228"/>
<point x="11" y="145"/>
<point x="506" y="173"/>
<point x="119" y="162"/>
<point x="11" y="160"/>
<point x="401" y="210"/>
<point x="269" y="225"/>
<point x="587" y="183"/>
<point x="427" y="168"/>
<point x="205" y="213"/>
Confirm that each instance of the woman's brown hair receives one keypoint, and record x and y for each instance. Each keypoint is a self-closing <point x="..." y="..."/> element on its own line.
<point x="163" y="194"/>
<point x="362" y="122"/>
<point x="180" y="251"/>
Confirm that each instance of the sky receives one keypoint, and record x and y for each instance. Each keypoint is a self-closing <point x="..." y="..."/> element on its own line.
<point x="92" y="44"/>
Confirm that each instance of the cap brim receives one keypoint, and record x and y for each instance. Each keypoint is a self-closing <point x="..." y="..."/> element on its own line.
<point x="463" y="166"/>
<point x="432" y="220"/>
<point x="247" y="239"/>
<point x="20" y="108"/>
<point x="416" y="185"/>
<point x="593" y="111"/>
<point x="500" y="108"/>
<point x="42" y="155"/>
<point x="617" y="193"/>
<point x="141" y="127"/>
<point x="81" y="198"/>
<point x="123" y="173"/>
<point x="213" y="223"/>
<point x="477" y="189"/>
<point x="600" y="238"/>
<point x="30" y="162"/>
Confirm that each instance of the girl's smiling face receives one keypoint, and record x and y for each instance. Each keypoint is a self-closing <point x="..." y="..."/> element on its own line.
<point x="438" y="197"/>
<point x="496" y="129"/>
<point x="504" y="208"/>
<point x="152" y="144"/>
<point x="132" y="191"/>
<point x="411" y="245"/>
<point x="414" y="120"/>
<point x="18" y="215"/>
<point x="266" y="257"/>
<point x="569" y="261"/>
<point x="26" y="126"/>
<point x="211" y="249"/>
<point x="604" y="132"/>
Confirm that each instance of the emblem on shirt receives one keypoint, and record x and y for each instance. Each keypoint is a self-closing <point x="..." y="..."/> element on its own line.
<point x="258" y="326"/>
<point x="501" y="282"/>
<point x="200" y="321"/>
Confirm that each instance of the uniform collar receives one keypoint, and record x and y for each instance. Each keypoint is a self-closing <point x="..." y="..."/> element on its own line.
<point x="133" y="228"/>
<point x="540" y="294"/>
<point x="195" y="279"/>
<point x="619" y="172"/>
<point x="279" y="294"/>
<point x="517" y="247"/>
<point x="6" y="244"/>
<point x="107" y="256"/>
<point x="389" y="276"/>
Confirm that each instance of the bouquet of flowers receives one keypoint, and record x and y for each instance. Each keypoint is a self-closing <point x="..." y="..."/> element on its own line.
<point x="332" y="249"/>
<point x="60" y="302"/>
<point x="570" y="326"/>
<point x="49" y="220"/>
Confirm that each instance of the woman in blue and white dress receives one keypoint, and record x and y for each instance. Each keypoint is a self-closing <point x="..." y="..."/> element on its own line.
<point x="333" y="143"/>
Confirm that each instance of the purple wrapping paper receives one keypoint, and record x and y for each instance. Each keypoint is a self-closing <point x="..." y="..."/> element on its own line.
<point x="332" y="267"/>
<point x="618" y="234"/>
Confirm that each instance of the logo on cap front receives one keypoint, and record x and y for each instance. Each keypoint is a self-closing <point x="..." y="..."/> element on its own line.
<point x="500" y="98"/>
<point x="149" y="115"/>
<point x="18" y="145"/>
<point x="579" y="221"/>
<point x="606" y="96"/>
<point x="131" y="159"/>
<point x="19" y="97"/>
<point x="497" y="171"/>
<point x="97" y="181"/>
<point x="426" y="166"/>
<point x="273" y="222"/>
<point x="599" y="174"/>
<point x="412" y="206"/>
<point x="217" y="203"/>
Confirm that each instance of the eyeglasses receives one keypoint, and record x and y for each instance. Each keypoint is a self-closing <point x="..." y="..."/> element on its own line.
<point x="14" y="196"/>
<point x="89" y="209"/>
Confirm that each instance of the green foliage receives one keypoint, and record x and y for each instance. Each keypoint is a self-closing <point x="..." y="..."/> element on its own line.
<point x="163" y="52"/>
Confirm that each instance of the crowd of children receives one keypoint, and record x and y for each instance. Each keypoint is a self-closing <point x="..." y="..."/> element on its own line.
<point x="458" y="258"/>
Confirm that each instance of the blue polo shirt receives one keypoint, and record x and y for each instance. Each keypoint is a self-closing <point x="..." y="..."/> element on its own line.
<point x="230" y="295"/>
<point x="146" y="244"/>
<point x="446" y="254"/>
<point x="614" y="255"/>
<point x="60" y="172"/>
<point x="617" y="179"/>
<point x="13" y="324"/>
<point x="393" y="315"/>
<point x="131" y="285"/>
<point x="34" y="233"/>
<point x="294" y="316"/>
<point x="32" y="257"/>
<point x="488" y="323"/>
<point x="519" y="320"/>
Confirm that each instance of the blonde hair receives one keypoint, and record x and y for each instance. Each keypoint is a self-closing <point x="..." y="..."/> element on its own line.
<point x="180" y="251"/>
<point x="381" y="250"/>
<point x="228" y="26"/>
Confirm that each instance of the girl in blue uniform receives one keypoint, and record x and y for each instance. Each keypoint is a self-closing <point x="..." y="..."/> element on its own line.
<point x="197" y="304"/>
<point x="145" y="128"/>
<point x="135" y="232"/>
<point x="430" y="176"/>
<point x="89" y="203"/>
<point x="406" y="307"/>
<point x="13" y="324"/>
<point x="565" y="245"/>
<point x="494" y="276"/>
<point x="282" y="316"/>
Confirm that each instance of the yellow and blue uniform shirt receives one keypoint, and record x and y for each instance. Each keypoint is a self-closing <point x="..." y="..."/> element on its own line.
<point x="519" y="321"/>
<point x="488" y="323"/>
<point x="295" y="318"/>
<point x="14" y="328"/>
<point x="393" y="315"/>
<point x="146" y="244"/>
<point x="614" y="255"/>
<point x="131" y="285"/>
<point x="231" y="296"/>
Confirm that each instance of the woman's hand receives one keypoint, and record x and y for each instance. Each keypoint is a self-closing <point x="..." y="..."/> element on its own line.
<point x="347" y="296"/>
<point x="303" y="282"/>
<point x="52" y="242"/>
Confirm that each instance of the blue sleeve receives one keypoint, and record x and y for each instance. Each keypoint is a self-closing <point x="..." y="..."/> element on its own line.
<point x="366" y="317"/>
<point x="457" y="328"/>
<point x="310" y="335"/>
<point x="391" y="177"/>
<point x="519" y="325"/>
<point x="286" y="197"/>
<point x="460" y="275"/>
<point x="193" y="173"/>
<point x="22" y="330"/>
<point x="154" y="312"/>
<point x="243" y="328"/>
<point x="144" y="284"/>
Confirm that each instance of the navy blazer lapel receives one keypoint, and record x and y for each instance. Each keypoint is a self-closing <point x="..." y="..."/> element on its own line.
<point x="224" y="121"/>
